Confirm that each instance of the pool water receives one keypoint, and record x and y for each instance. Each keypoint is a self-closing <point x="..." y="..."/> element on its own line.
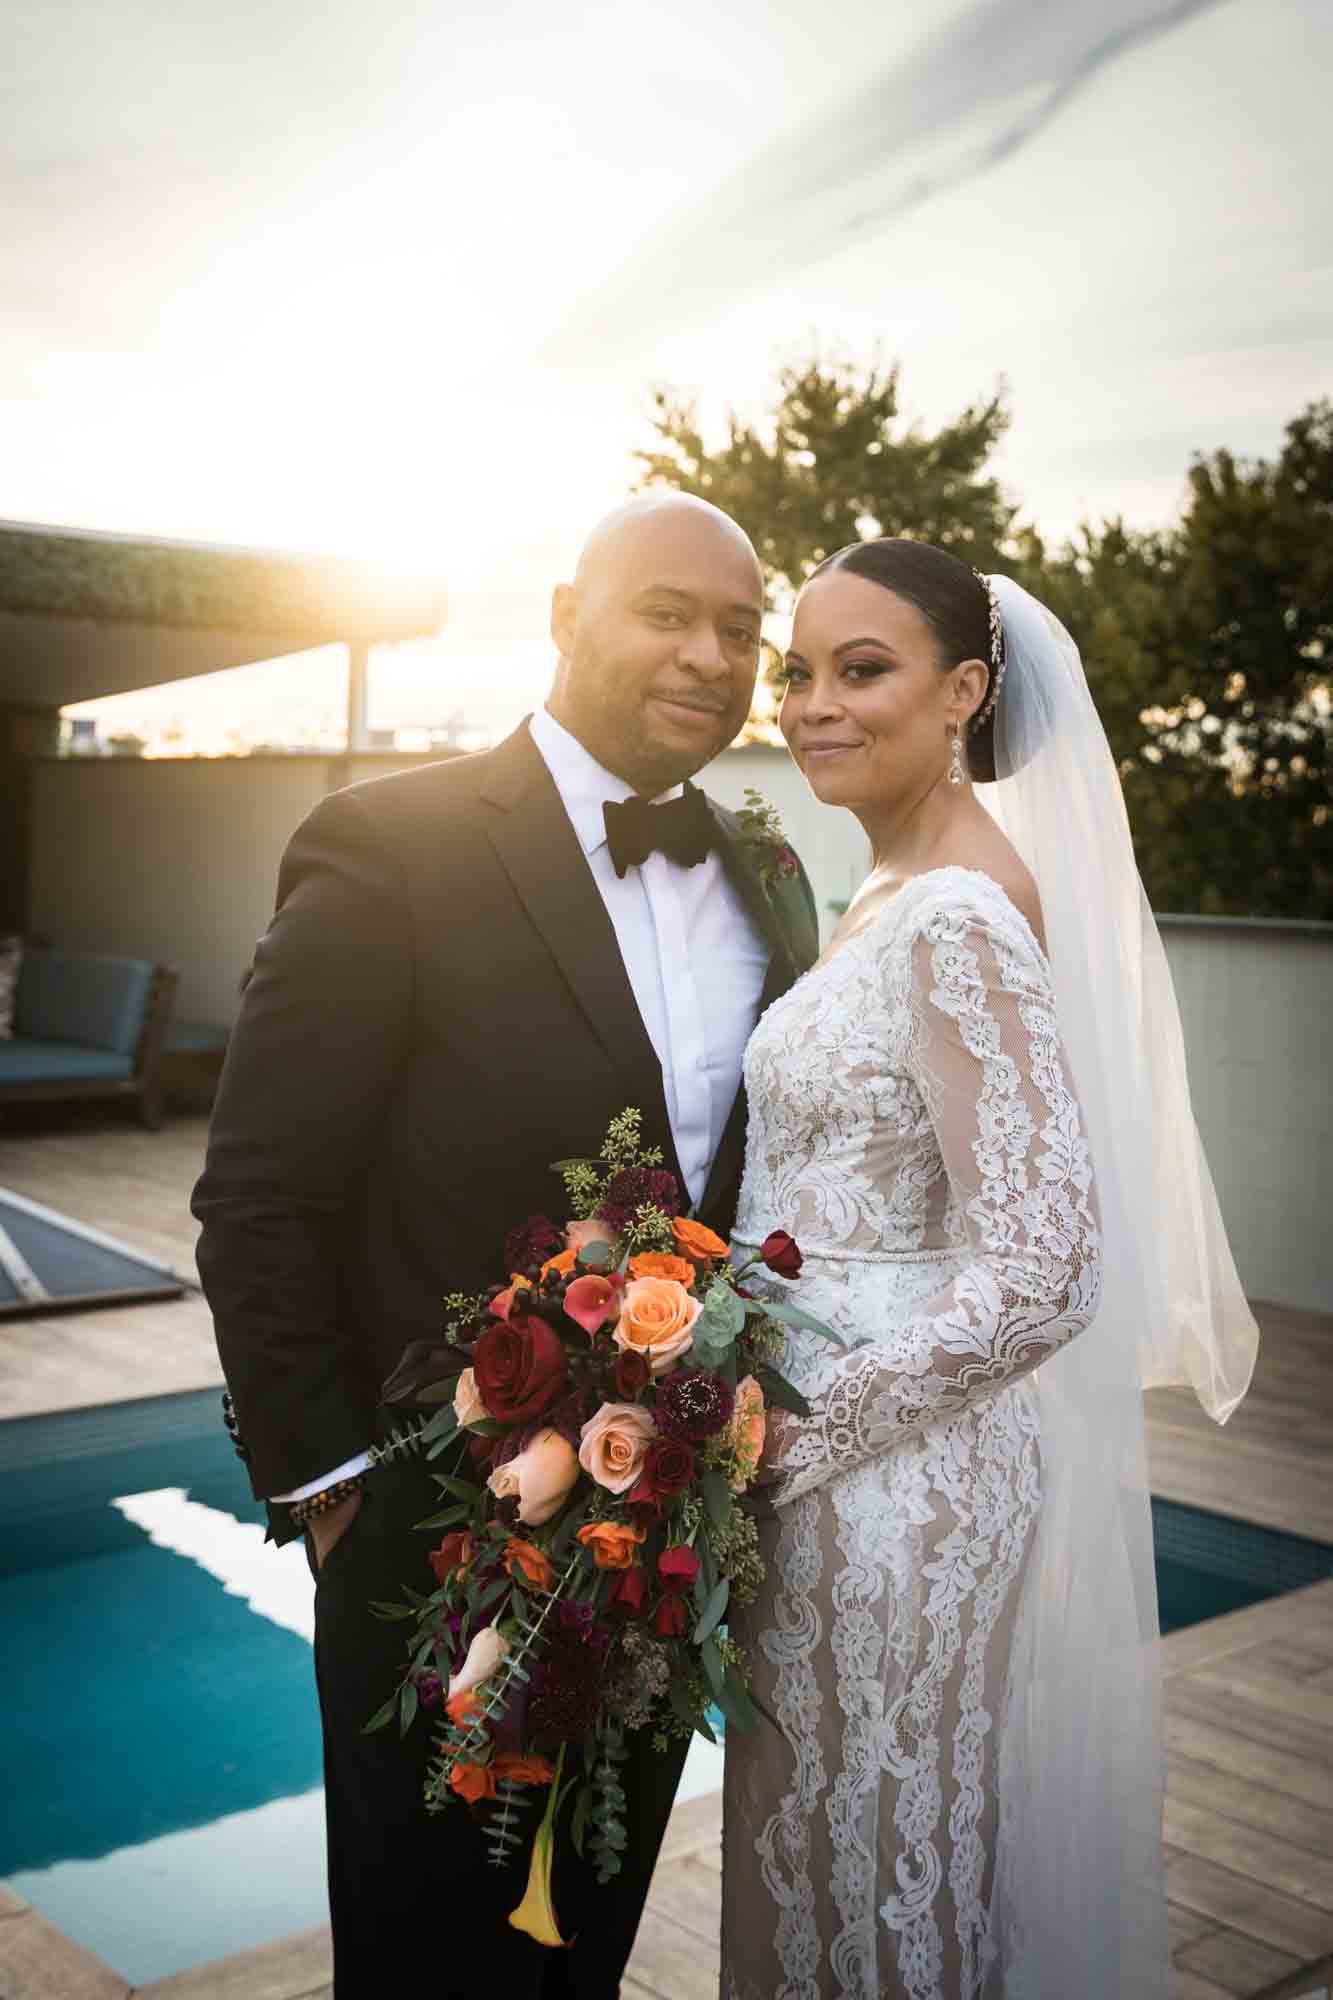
<point x="160" y="1741"/>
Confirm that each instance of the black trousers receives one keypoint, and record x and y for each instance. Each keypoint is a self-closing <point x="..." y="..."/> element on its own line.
<point x="412" y="1896"/>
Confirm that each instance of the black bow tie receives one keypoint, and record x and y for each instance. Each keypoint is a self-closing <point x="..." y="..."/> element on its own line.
<point x="683" y="829"/>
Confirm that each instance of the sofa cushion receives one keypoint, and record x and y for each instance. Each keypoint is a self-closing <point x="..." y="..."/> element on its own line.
<point x="25" y="1061"/>
<point x="85" y="997"/>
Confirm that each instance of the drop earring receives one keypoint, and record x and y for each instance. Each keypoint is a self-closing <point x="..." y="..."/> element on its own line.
<point x="956" y="773"/>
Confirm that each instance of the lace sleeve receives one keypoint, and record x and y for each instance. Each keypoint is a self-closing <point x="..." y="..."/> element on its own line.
<point x="988" y="1061"/>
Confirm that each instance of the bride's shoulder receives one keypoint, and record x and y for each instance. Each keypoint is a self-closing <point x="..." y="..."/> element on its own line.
<point x="1004" y="901"/>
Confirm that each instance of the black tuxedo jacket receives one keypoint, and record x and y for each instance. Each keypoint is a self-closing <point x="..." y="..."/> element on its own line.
<point x="438" y="1010"/>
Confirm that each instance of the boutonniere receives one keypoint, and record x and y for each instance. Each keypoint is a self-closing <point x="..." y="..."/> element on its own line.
<point x="764" y="843"/>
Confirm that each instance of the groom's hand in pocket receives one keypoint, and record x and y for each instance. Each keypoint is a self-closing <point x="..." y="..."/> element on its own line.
<point x="327" y="1530"/>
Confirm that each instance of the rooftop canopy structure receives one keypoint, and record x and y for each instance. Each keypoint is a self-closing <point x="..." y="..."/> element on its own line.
<point x="85" y="614"/>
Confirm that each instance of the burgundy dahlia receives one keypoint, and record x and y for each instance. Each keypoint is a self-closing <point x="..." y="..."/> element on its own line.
<point x="566" y="1686"/>
<point x="692" y="1405"/>
<point x="532" y="1242"/>
<point x="638" y="1187"/>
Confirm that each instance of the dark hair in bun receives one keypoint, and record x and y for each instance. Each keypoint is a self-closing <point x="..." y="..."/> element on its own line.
<point x="954" y="603"/>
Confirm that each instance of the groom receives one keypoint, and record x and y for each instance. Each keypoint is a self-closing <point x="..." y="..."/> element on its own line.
<point x="472" y="968"/>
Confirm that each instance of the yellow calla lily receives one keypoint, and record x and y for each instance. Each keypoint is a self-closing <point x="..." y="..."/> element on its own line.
<point x="536" y="1913"/>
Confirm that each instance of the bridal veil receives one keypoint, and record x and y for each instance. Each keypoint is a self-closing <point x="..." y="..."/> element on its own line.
<point x="1079" y="1905"/>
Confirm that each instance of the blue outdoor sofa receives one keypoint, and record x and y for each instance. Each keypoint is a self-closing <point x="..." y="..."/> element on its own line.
<point x="88" y="1025"/>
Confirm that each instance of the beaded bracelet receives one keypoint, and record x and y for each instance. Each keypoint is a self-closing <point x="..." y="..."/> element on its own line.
<point x="325" y="1501"/>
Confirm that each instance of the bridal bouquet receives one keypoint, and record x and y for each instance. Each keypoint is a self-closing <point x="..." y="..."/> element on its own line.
<point x="613" y="1397"/>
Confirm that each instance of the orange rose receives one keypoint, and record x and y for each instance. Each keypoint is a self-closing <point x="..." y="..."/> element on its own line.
<point x="452" y="1557"/>
<point x="695" y="1241"/>
<point x="529" y="1770"/>
<point x="746" y="1432"/>
<point x="657" y="1264"/>
<point x="612" y="1543"/>
<point x="529" y="1559"/>
<point x="564" y="1263"/>
<point x="657" y="1320"/>
<point x="613" y="1442"/>
<point x="463" y="1708"/>
<point x="473" y="1782"/>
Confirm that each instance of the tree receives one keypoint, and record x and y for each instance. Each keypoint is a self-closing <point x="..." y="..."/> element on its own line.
<point x="1209" y="651"/>
<point x="833" y="464"/>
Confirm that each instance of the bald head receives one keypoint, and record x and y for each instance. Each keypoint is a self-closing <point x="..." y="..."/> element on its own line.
<point x="659" y="638"/>
<point x="643" y="516"/>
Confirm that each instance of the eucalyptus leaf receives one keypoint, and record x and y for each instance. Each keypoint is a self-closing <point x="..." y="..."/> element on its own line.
<point x="384" y="1610"/>
<point x="793" y="1316"/>
<point x="779" y="1392"/>
<point x="722" y="1318"/>
<point x="381" y="1717"/>
<point x="711" y="1616"/>
<point x="717" y="1496"/>
<point x="579" y="1823"/>
<point x="714" y="1672"/>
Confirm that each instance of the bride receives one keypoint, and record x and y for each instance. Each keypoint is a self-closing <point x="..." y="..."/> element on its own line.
<point x="973" y="1116"/>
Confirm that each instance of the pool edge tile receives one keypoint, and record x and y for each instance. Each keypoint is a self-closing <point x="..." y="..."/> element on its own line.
<point x="38" y="1962"/>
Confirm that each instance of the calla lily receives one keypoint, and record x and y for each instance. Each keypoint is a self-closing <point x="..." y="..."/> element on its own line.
<point x="591" y="1300"/>
<point x="536" y="1913"/>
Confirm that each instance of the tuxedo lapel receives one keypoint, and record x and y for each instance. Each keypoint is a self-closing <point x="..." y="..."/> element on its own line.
<point x="780" y="911"/>
<point x="531" y="833"/>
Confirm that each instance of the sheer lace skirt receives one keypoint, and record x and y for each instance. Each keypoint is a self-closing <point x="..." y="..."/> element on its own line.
<point x="859" y="1844"/>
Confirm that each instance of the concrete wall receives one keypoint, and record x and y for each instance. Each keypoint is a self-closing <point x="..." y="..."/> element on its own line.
<point x="1256" y="1003"/>
<point x="178" y="860"/>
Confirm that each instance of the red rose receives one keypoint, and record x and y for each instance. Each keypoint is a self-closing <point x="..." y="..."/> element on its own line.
<point x="628" y="1590"/>
<point x="781" y="1255"/>
<point x="633" y="1373"/>
<point x="520" y="1368"/>
<point x="668" y="1468"/>
<point x="678" y="1566"/>
<point x="671" y="1617"/>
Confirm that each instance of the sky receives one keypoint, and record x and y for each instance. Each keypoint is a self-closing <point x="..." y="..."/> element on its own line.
<point x="398" y="281"/>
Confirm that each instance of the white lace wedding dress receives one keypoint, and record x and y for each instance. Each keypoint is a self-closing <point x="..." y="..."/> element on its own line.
<point x="912" y="1125"/>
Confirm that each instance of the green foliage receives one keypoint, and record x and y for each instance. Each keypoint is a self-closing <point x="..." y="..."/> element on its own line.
<point x="1209" y="652"/>
<point x="835" y="463"/>
<point x="1208" y="644"/>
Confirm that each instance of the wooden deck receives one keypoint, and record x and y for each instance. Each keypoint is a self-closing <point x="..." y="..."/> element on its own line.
<point x="1249" y="1698"/>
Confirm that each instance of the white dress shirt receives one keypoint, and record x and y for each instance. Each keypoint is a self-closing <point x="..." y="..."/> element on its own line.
<point x="695" y="963"/>
<point x="694" y="960"/>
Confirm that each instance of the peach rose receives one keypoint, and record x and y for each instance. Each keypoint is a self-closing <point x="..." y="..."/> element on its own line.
<point x="468" y="1406"/>
<point x="578" y="1235"/>
<point x="613" y="1442"/>
<point x="657" y="1320"/>
<point x="473" y="1782"/>
<point x="539" y="1478"/>
<point x="693" y="1240"/>
<point x="746" y="1431"/>
<point x="613" y="1543"/>
<point x="524" y="1770"/>
<point x="484" y="1655"/>
<point x="530" y="1562"/>
<point x="657" y="1264"/>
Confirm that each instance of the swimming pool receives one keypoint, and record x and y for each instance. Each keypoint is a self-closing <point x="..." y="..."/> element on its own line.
<point x="160" y="1741"/>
